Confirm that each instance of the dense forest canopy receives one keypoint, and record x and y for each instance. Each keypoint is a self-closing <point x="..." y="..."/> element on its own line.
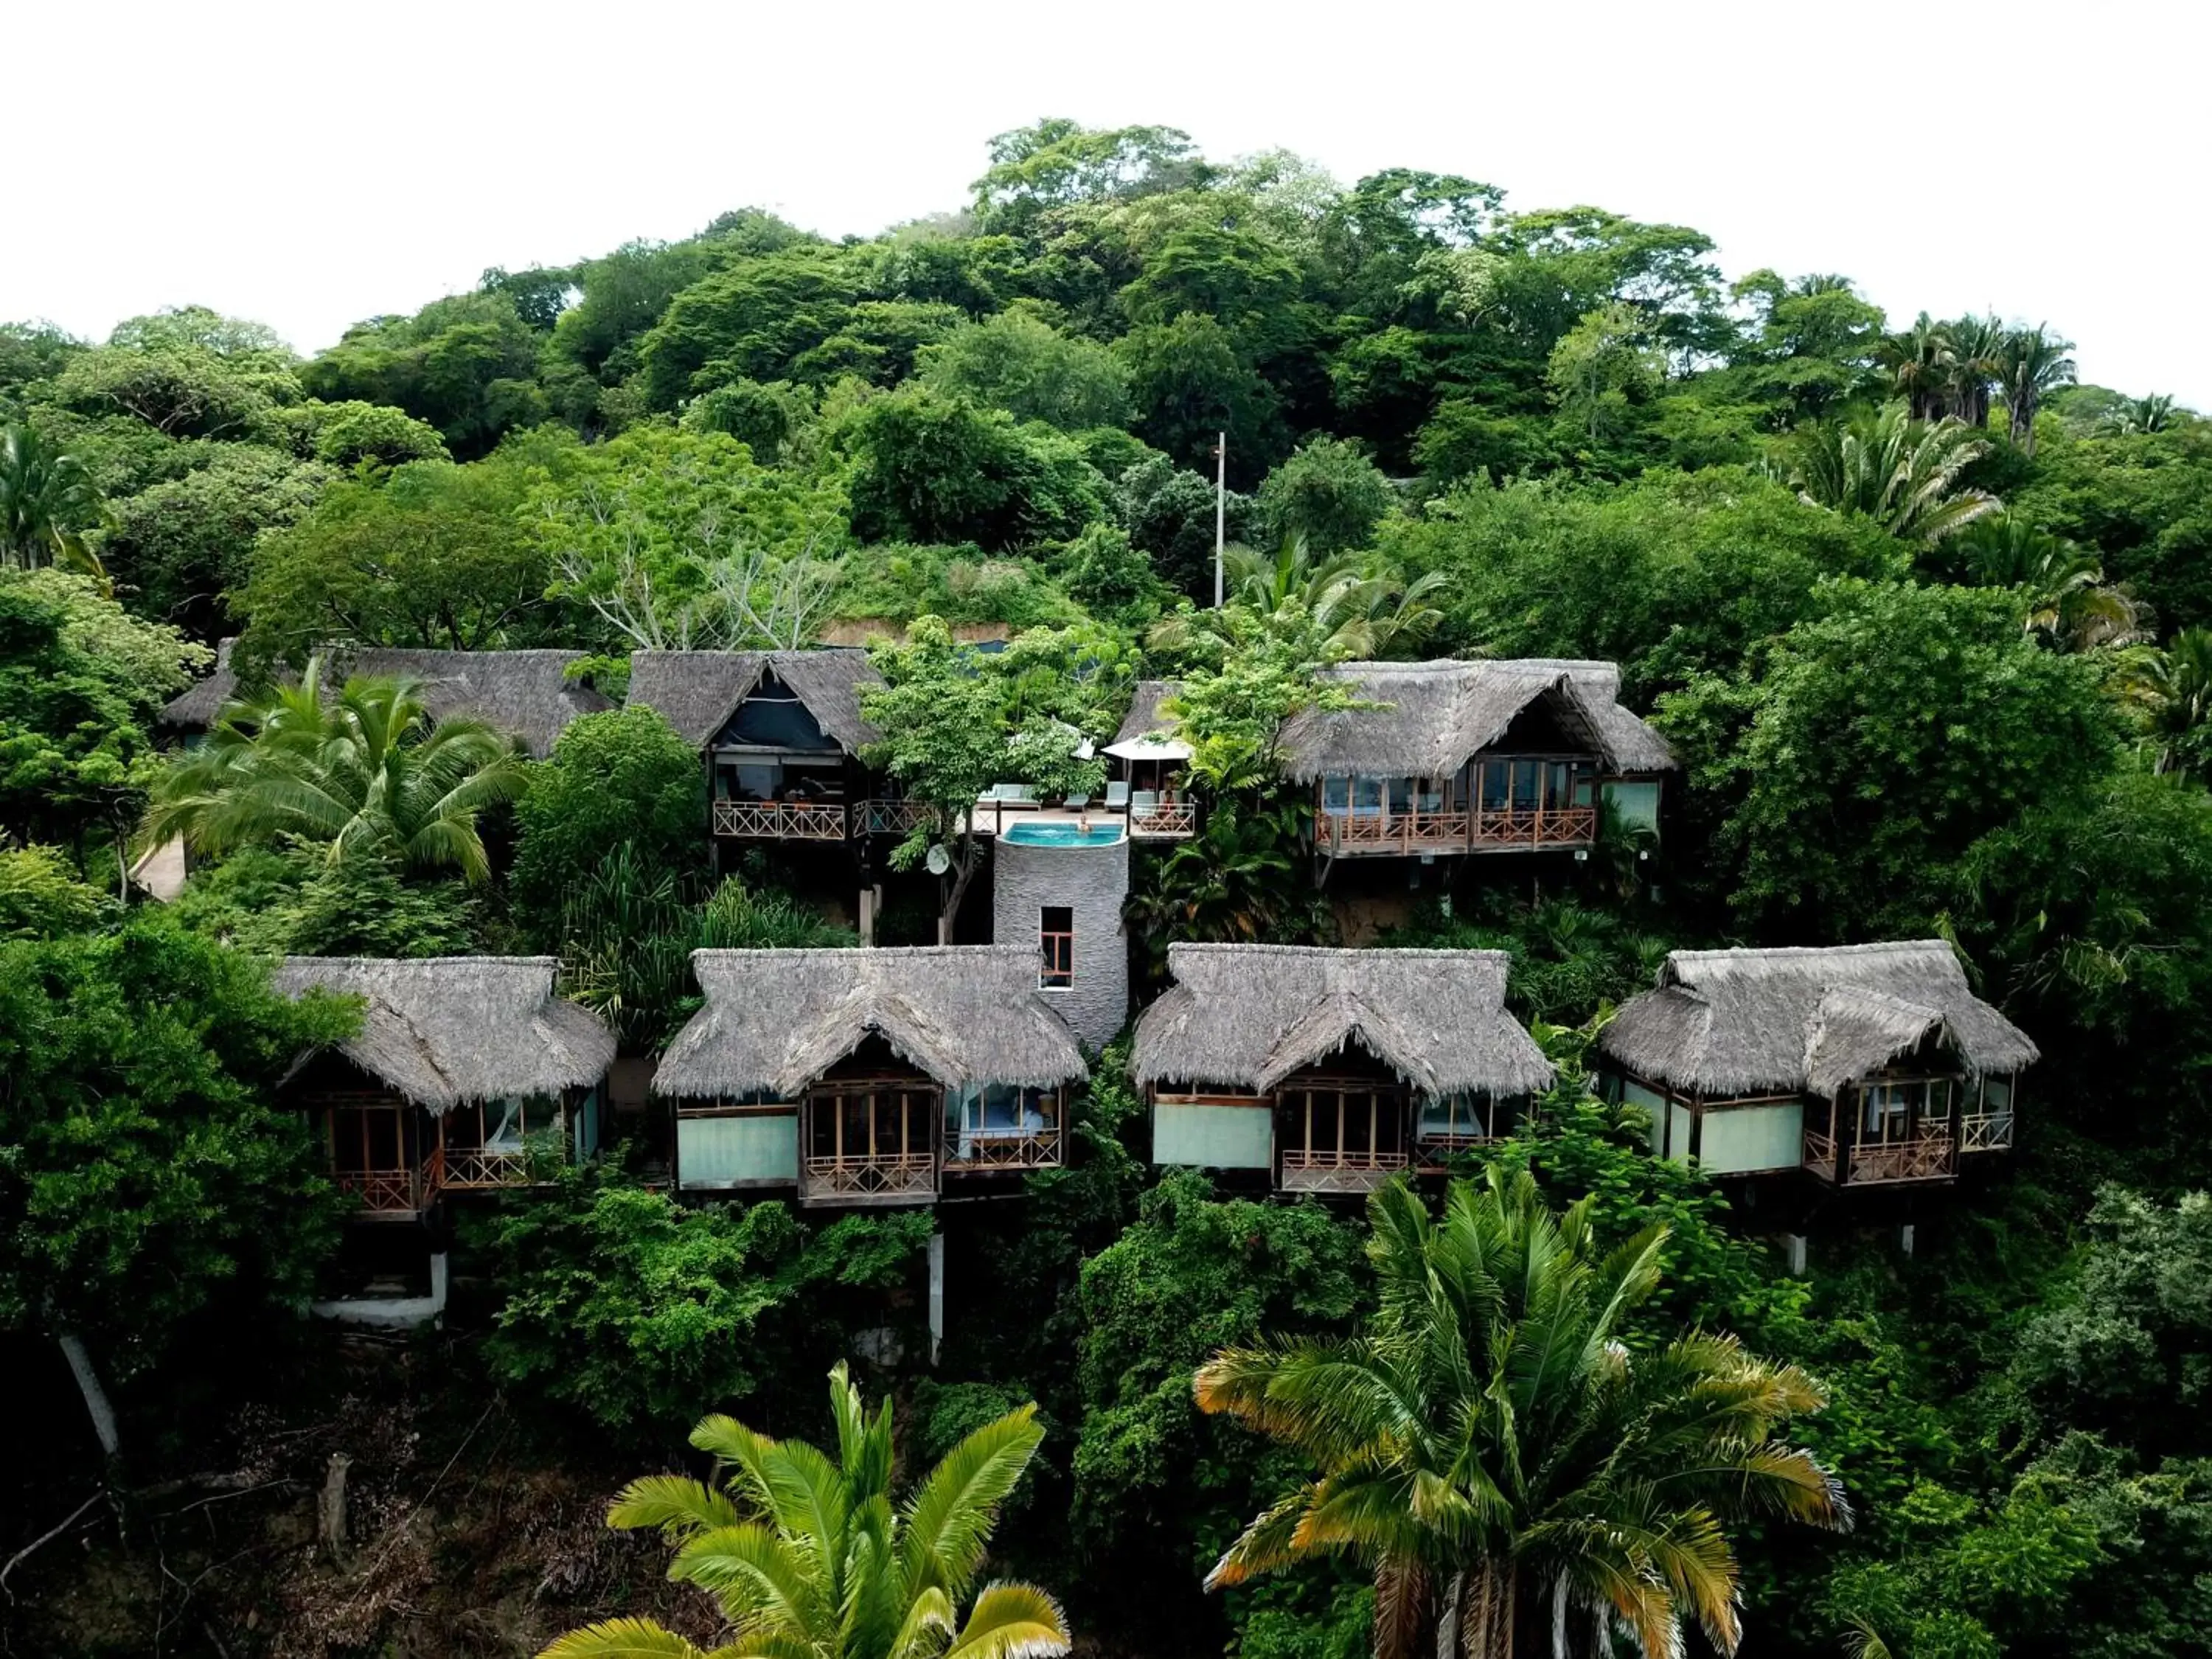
<point x="1928" y="622"/>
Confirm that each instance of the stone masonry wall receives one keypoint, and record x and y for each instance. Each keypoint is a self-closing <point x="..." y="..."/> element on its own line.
<point x="1091" y="881"/>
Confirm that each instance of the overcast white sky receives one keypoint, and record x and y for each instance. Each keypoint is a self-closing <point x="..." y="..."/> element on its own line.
<point x="309" y="164"/>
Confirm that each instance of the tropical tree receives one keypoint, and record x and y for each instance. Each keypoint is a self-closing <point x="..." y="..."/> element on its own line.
<point x="2155" y="413"/>
<point x="1977" y="345"/>
<point x="1492" y="1449"/>
<point x="1899" y="471"/>
<point x="2063" y="594"/>
<point x="2031" y="361"/>
<point x="1918" y="364"/>
<point x="2176" y="685"/>
<point x="48" y="499"/>
<point x="366" y="772"/>
<point x="1334" y="608"/>
<point x="810" y="1558"/>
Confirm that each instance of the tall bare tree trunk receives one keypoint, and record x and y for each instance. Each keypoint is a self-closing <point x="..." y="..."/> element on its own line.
<point x="96" y="1404"/>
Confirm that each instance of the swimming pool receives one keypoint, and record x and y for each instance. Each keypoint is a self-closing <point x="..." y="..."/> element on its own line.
<point x="1061" y="833"/>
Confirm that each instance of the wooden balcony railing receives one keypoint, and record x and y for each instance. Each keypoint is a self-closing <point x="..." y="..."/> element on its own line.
<point x="476" y="1166"/>
<point x="1928" y="1157"/>
<point x="1338" y="1172"/>
<point x="394" y="1193"/>
<point x="966" y="1154"/>
<point x="891" y="817"/>
<point x="1178" y="821"/>
<point x="1986" y="1132"/>
<point x="858" y="1178"/>
<point x="1821" y="1154"/>
<point x="778" y="820"/>
<point x="1408" y="832"/>
<point x="1435" y="1151"/>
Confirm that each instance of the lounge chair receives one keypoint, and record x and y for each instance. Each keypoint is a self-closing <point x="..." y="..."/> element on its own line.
<point x="1078" y="801"/>
<point x="1017" y="794"/>
<point x="1144" y="803"/>
<point x="1117" y="797"/>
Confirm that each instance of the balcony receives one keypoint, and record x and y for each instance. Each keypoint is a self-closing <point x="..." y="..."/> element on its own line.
<point x="1985" y="1132"/>
<point x="476" y="1167"/>
<point x="891" y="817"/>
<point x="394" y="1194"/>
<point x="1436" y="1153"/>
<point x="1880" y="1163"/>
<point x="1163" y="821"/>
<point x="976" y="1152"/>
<point x="1307" y="1171"/>
<point x="1490" y="830"/>
<point x="865" y="1178"/>
<point x="778" y="820"/>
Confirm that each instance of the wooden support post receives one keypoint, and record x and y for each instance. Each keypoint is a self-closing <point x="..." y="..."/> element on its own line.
<point x="331" y="1509"/>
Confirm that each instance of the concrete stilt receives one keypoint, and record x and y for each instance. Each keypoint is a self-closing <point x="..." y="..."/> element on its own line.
<point x="1796" y="1243"/>
<point x="936" y="1294"/>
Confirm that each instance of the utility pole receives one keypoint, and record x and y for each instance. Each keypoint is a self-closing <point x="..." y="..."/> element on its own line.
<point x="1220" y="507"/>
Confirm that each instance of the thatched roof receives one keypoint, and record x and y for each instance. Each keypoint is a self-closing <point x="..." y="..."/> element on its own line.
<point x="776" y="1020"/>
<point x="1246" y="1016"/>
<point x="525" y="694"/>
<point x="697" y="691"/>
<point x="1733" y="1022"/>
<point x="1434" y="716"/>
<point x="194" y="709"/>
<point x="1144" y="719"/>
<point x="446" y="1030"/>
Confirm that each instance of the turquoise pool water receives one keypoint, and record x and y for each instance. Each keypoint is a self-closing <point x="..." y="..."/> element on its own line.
<point x="1061" y="833"/>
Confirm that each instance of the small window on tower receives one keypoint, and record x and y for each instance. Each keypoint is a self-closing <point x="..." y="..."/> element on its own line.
<point x="1056" y="935"/>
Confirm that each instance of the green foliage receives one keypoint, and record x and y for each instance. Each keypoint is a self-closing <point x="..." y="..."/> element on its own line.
<point x="1569" y="958"/>
<point x="1868" y="749"/>
<point x="344" y="434"/>
<point x="365" y="773"/>
<point x="1017" y="362"/>
<point x="622" y="778"/>
<point x="931" y="467"/>
<point x="1189" y="383"/>
<point x="465" y="365"/>
<point x="1170" y="515"/>
<point x="763" y="418"/>
<point x="48" y="501"/>
<point x="633" y="1310"/>
<point x="1328" y="492"/>
<point x="80" y="680"/>
<point x="178" y="546"/>
<point x="41" y="896"/>
<point x="1157" y="1484"/>
<point x="895" y="582"/>
<point x="296" y="903"/>
<point x="145" y="1180"/>
<point x="434" y="556"/>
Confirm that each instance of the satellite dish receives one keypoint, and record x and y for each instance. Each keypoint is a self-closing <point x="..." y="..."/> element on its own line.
<point x="938" y="860"/>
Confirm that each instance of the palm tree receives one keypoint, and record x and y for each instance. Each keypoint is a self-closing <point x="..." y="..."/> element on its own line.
<point x="1902" y="473"/>
<point x="2176" y="685"/>
<point x="1239" y="880"/>
<point x="1919" y="365"/>
<point x="1344" y="607"/>
<point x="1491" y="1449"/>
<point x="2155" y="413"/>
<point x="2064" y="592"/>
<point x="810" y="1558"/>
<point x="1977" y="347"/>
<point x="365" y="773"/>
<point x="47" y="502"/>
<point x="2030" y="362"/>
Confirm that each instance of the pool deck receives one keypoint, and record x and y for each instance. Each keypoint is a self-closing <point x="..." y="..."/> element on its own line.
<point x="1176" y="822"/>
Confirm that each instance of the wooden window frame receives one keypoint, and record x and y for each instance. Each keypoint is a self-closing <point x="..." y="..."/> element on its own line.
<point x="1055" y="949"/>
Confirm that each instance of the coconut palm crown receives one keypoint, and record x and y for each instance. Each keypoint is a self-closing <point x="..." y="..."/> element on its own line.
<point x="366" y="772"/>
<point x="810" y="1558"/>
<point x="1494" y="1452"/>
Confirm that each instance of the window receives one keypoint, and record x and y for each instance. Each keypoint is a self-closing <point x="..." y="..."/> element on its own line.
<point x="1458" y="1117"/>
<point x="1886" y="1110"/>
<point x="1056" y="937"/>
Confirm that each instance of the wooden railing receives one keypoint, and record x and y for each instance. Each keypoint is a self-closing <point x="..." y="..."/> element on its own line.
<point x="966" y="1154"/>
<point x="778" y="820"/>
<point x="858" y="1178"/>
<point x="1164" y="823"/>
<point x="1985" y="1132"/>
<point x="1821" y="1154"/>
<point x="1455" y="831"/>
<point x="891" y="817"/>
<point x="1434" y="1149"/>
<point x="1928" y="1157"/>
<point x="1338" y="1172"/>
<point x="394" y="1192"/>
<point x="478" y="1166"/>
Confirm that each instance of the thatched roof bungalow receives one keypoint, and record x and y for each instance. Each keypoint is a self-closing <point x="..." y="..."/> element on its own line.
<point x="527" y="694"/>
<point x="781" y="732"/>
<point x="858" y="1074"/>
<point x="457" y="1059"/>
<point x="1753" y="1061"/>
<point x="1334" y="1068"/>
